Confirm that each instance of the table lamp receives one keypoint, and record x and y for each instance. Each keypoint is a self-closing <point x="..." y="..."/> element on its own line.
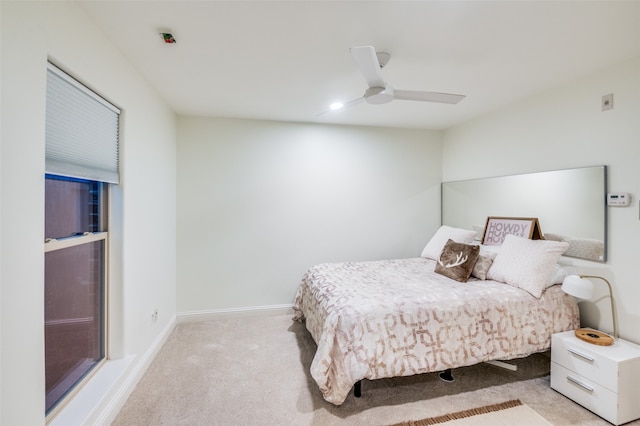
<point x="581" y="287"/>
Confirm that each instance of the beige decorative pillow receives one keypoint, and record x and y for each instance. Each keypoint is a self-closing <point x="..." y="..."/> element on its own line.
<point x="484" y="262"/>
<point x="457" y="260"/>
<point x="526" y="264"/>
<point x="435" y="245"/>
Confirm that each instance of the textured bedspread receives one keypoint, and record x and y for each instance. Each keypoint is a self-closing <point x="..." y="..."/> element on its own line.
<point x="398" y="318"/>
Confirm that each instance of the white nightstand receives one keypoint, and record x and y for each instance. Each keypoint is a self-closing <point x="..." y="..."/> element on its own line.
<point x="603" y="379"/>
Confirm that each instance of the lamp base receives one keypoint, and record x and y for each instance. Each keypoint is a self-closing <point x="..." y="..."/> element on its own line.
<point x="594" y="336"/>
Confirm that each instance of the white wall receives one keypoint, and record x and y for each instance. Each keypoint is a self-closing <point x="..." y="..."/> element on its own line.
<point x="260" y="202"/>
<point x="565" y="128"/>
<point x="144" y="204"/>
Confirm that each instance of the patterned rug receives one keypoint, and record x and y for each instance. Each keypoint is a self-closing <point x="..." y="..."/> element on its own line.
<point x="507" y="413"/>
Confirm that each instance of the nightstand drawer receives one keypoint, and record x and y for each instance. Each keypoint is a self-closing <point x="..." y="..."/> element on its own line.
<point x="585" y="392"/>
<point x="584" y="359"/>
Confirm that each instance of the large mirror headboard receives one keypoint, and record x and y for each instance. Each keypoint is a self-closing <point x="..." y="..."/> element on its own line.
<point x="570" y="205"/>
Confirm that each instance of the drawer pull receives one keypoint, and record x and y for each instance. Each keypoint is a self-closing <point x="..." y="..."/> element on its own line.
<point x="579" y="383"/>
<point x="581" y="355"/>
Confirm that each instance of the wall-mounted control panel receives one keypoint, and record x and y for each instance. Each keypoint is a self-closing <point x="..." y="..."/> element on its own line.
<point x="618" y="199"/>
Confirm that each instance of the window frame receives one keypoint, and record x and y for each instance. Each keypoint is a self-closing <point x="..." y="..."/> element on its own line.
<point x="54" y="244"/>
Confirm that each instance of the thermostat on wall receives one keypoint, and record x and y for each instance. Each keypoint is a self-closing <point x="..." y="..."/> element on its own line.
<point x="618" y="199"/>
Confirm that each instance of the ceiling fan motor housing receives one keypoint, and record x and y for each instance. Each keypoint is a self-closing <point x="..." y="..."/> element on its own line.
<point x="379" y="95"/>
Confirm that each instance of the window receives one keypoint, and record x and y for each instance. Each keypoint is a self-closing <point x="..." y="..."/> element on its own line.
<point x="75" y="231"/>
<point x="81" y="138"/>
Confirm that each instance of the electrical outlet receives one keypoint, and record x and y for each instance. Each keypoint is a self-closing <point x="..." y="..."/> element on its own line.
<point x="154" y="315"/>
<point x="607" y="102"/>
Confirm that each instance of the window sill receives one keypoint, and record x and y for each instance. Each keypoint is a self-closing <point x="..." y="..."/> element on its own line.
<point x="96" y="396"/>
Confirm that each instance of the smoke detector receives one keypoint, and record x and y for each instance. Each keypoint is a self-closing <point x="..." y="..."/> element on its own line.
<point x="168" y="37"/>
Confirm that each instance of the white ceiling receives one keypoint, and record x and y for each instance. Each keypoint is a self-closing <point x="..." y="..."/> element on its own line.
<point x="288" y="60"/>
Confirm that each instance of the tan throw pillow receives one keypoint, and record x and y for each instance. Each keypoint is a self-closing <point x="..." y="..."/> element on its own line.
<point x="457" y="260"/>
<point x="480" y="269"/>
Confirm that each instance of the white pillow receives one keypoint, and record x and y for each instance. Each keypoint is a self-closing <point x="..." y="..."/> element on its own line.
<point x="490" y="249"/>
<point x="526" y="264"/>
<point x="435" y="245"/>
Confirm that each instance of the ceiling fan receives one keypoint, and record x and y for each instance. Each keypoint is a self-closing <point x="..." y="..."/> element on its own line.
<point x="370" y="64"/>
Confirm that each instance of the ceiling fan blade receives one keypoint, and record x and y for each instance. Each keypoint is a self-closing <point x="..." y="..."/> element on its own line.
<point x="367" y="61"/>
<point x="353" y="102"/>
<point x="345" y="106"/>
<point x="415" y="95"/>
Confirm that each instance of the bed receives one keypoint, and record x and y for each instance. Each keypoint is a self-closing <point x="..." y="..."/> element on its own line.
<point x="401" y="317"/>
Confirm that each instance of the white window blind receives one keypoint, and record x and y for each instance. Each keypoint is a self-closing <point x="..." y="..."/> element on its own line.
<point x="81" y="131"/>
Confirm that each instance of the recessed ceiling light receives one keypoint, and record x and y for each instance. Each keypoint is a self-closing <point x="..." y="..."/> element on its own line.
<point x="336" y="105"/>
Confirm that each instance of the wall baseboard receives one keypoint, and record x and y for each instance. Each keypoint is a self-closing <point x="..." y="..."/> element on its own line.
<point x="232" y="313"/>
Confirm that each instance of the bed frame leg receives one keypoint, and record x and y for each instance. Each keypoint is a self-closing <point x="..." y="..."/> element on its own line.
<point x="504" y="365"/>
<point x="357" y="389"/>
<point x="446" y="375"/>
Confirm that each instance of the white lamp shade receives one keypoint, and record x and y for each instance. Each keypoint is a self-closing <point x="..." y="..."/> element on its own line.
<point x="578" y="287"/>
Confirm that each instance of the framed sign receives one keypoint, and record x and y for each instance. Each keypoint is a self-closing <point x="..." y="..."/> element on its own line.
<point x="497" y="228"/>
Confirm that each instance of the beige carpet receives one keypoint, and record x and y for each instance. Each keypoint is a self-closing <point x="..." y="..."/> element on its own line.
<point x="255" y="371"/>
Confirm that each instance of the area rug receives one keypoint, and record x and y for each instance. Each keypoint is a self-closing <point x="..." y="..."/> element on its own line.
<point x="507" y="413"/>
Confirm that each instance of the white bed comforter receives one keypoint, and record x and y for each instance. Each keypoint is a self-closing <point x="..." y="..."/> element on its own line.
<point x="398" y="318"/>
